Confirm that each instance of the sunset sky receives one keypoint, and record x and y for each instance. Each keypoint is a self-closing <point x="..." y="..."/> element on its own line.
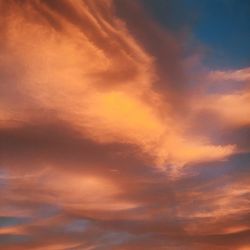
<point x="124" y="125"/>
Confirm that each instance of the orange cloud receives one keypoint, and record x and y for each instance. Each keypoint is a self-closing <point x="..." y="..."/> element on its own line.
<point x="85" y="192"/>
<point x="102" y="89"/>
<point x="233" y="108"/>
<point x="91" y="113"/>
<point x="235" y="75"/>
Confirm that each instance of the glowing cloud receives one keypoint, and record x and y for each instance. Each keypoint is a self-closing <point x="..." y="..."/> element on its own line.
<point x="104" y="141"/>
<point x="103" y="89"/>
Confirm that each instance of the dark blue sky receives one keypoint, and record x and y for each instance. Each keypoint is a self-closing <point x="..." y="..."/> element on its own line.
<point x="222" y="26"/>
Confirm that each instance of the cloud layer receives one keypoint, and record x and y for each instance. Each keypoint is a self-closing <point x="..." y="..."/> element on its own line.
<point x="104" y="142"/>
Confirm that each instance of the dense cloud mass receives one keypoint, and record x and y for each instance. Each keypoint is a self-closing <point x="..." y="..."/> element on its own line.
<point x="105" y="144"/>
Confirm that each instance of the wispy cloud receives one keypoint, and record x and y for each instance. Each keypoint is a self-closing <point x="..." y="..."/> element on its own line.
<point x="102" y="140"/>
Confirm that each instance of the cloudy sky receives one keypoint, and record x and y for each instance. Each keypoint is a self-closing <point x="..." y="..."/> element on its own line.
<point x="124" y="125"/>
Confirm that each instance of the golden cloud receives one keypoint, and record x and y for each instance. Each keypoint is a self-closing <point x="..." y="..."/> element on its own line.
<point x="98" y="80"/>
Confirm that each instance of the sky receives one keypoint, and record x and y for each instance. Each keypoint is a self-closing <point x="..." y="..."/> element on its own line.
<point x="124" y="125"/>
